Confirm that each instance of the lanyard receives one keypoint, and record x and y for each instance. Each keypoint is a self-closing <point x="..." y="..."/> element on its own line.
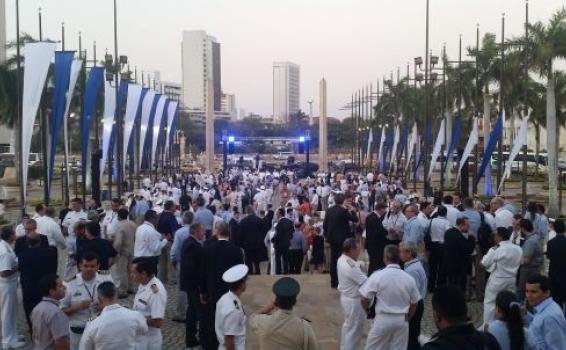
<point x="91" y="295"/>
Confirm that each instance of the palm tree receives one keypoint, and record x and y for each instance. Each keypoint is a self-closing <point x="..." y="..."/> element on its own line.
<point x="548" y="43"/>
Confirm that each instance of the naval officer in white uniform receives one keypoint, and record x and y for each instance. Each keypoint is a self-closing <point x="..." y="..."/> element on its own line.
<point x="350" y="278"/>
<point x="150" y="300"/>
<point x="230" y="319"/>
<point x="396" y="303"/>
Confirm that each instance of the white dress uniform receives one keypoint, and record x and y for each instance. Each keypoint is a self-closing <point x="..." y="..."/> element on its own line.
<point x="151" y="300"/>
<point x="8" y="295"/>
<point x="230" y="318"/>
<point x="390" y="329"/>
<point x="115" y="329"/>
<point x="79" y="290"/>
<point x="350" y="278"/>
<point x="69" y="222"/>
<point x="502" y="262"/>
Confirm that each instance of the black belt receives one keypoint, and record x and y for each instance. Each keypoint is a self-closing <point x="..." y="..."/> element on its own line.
<point x="77" y="330"/>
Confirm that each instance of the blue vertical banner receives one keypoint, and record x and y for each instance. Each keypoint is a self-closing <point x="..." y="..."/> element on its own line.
<point x="173" y="128"/>
<point x="493" y="139"/>
<point x="122" y="93"/>
<point x="63" y="62"/>
<point x="403" y="140"/>
<point x="456" y="132"/>
<point x="149" y="134"/>
<point x="93" y="86"/>
<point x="389" y="140"/>
<point x="137" y="121"/>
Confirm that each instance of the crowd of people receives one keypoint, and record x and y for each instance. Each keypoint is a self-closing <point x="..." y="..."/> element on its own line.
<point x="384" y="248"/>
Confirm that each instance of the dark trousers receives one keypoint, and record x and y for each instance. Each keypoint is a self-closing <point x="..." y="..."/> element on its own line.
<point x="207" y="334"/>
<point x="335" y="252"/>
<point x="457" y="278"/>
<point x="436" y="270"/>
<point x="415" y="327"/>
<point x="281" y="261"/>
<point x="194" y="313"/>
<point x="252" y="260"/>
<point x="295" y="260"/>
<point x="375" y="259"/>
<point x="30" y="297"/>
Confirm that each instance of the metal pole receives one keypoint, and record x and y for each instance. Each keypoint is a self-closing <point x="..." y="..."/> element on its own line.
<point x="427" y="112"/>
<point x="526" y="110"/>
<point x="477" y="103"/>
<point x="65" y="137"/>
<point x="20" y="128"/>
<point x="353" y="126"/>
<point x="83" y="87"/>
<point x="444" y="111"/>
<point x="43" y="132"/>
<point x="501" y="104"/>
<point x="118" y="115"/>
<point x="424" y="129"/>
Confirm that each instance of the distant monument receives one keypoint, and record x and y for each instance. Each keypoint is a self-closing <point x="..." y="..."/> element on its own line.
<point x="322" y="128"/>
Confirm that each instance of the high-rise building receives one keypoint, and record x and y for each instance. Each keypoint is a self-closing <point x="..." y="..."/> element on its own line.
<point x="201" y="63"/>
<point x="2" y="31"/>
<point x="286" y="90"/>
<point x="229" y="105"/>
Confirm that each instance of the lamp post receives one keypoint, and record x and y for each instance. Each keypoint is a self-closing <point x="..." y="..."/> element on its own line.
<point x="427" y="112"/>
<point x="118" y="115"/>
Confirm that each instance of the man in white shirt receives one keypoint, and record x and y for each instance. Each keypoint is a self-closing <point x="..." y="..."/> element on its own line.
<point x="502" y="262"/>
<point x="149" y="242"/>
<point x="503" y="217"/>
<point x="350" y="278"/>
<point x="116" y="328"/>
<point x="47" y="226"/>
<point x="452" y="213"/>
<point x="395" y="304"/>
<point x="111" y="218"/>
<point x="438" y="227"/>
<point x="394" y="222"/>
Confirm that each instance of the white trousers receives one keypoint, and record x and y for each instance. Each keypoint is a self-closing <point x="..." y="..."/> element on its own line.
<point x="388" y="332"/>
<point x="353" y="326"/>
<point x="494" y="286"/>
<point x="74" y="340"/>
<point x="152" y="340"/>
<point x="9" y="312"/>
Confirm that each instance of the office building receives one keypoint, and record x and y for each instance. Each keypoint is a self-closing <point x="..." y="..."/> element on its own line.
<point x="228" y="105"/>
<point x="200" y="63"/>
<point x="286" y="90"/>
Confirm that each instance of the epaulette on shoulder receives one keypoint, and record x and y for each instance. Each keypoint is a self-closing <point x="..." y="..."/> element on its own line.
<point x="103" y="272"/>
<point x="351" y="263"/>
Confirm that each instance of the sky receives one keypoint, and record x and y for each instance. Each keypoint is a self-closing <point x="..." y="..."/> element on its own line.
<point x="351" y="43"/>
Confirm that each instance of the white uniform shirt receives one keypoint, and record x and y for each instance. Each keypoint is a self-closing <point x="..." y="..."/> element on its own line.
<point x="397" y="222"/>
<point x="392" y="298"/>
<point x="148" y="241"/>
<point x="20" y="231"/>
<point x="503" y="261"/>
<point x="8" y="262"/>
<point x="452" y="214"/>
<point x="350" y="276"/>
<point x="115" y="329"/>
<point x="79" y="290"/>
<point x="110" y="222"/>
<point x="51" y="229"/>
<point x="438" y="228"/>
<point x="150" y="301"/>
<point x="71" y="218"/>
<point x="230" y="319"/>
<point x="503" y="218"/>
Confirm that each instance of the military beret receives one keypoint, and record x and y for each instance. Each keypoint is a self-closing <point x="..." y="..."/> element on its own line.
<point x="286" y="287"/>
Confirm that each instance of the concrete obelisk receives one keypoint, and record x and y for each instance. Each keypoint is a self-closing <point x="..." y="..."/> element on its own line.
<point x="209" y="162"/>
<point x="322" y="128"/>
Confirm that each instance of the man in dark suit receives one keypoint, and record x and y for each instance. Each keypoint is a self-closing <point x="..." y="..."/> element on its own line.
<point x="218" y="255"/>
<point x="458" y="248"/>
<point x="556" y="253"/>
<point x="253" y="234"/>
<point x="336" y="228"/>
<point x="191" y="261"/>
<point x="281" y="241"/>
<point x="376" y="237"/>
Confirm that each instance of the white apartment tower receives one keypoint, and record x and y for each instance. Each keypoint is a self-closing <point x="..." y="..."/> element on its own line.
<point x="200" y="63"/>
<point x="286" y="90"/>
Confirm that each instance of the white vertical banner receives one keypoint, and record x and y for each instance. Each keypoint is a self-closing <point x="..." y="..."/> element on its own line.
<point x="76" y="67"/>
<point x="147" y="103"/>
<point x="411" y="146"/>
<point x="132" y="106"/>
<point x="394" y="151"/>
<point x="440" y="139"/>
<point x="472" y="142"/>
<point x="156" y="126"/>
<point x="37" y="57"/>
<point x="107" y="122"/>
<point x="520" y="141"/>
<point x="171" y="110"/>
<point x="380" y="148"/>
<point x="370" y="141"/>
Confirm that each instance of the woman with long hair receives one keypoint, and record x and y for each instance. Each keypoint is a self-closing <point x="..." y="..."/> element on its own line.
<point x="507" y="327"/>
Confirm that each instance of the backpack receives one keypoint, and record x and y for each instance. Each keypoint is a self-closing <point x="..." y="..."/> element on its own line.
<point x="485" y="235"/>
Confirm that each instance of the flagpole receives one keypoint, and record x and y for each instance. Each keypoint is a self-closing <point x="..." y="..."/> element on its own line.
<point x="44" y="132"/>
<point x="20" y="128"/>
<point x="65" y="136"/>
<point x="501" y="103"/>
<point x="526" y="110"/>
